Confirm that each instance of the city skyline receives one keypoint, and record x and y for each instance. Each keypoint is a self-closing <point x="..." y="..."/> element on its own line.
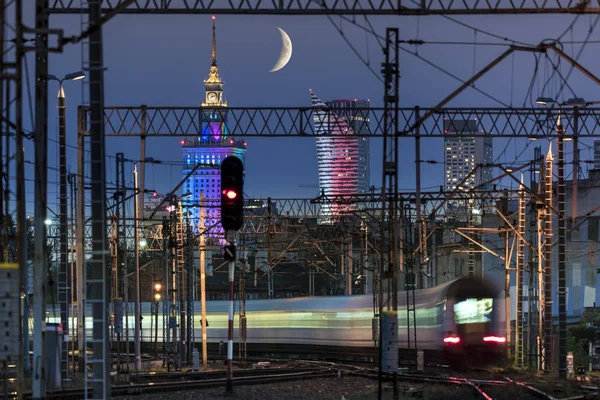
<point x="245" y="59"/>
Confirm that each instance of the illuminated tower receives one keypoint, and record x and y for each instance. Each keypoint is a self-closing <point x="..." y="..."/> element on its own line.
<point x="342" y="156"/>
<point x="208" y="150"/>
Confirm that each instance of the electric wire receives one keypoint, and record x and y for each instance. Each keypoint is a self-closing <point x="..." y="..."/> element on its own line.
<point x="572" y="67"/>
<point x="431" y="63"/>
<point x="341" y="32"/>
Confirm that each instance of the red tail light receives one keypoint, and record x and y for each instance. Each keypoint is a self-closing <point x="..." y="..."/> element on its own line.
<point x="496" y="339"/>
<point x="452" y="340"/>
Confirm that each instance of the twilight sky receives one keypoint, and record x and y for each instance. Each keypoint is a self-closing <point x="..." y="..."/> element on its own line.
<point x="162" y="61"/>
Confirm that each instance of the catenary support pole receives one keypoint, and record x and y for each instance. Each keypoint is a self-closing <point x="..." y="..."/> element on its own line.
<point x="203" y="282"/>
<point x="167" y="293"/>
<point x="24" y="358"/>
<point x="507" y="292"/>
<point x="562" y="242"/>
<point x="547" y="354"/>
<point x="520" y="267"/>
<point x="138" y="313"/>
<point x="63" y="280"/>
<point x="40" y="266"/>
<point x="421" y="276"/>
<point x="80" y="234"/>
<point x="98" y="280"/>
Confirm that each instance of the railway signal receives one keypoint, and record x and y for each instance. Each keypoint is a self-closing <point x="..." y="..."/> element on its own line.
<point x="232" y="193"/>
<point x="157" y="291"/>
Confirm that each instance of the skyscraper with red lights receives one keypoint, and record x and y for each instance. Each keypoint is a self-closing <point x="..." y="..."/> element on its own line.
<point x="342" y="154"/>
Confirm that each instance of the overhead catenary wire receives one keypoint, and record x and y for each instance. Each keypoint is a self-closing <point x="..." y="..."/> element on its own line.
<point x="431" y="63"/>
<point x="361" y="58"/>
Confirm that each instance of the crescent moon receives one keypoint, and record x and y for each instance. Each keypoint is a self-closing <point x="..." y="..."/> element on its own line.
<point x="286" y="51"/>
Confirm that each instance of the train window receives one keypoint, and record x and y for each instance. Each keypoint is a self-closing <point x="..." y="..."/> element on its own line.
<point x="472" y="311"/>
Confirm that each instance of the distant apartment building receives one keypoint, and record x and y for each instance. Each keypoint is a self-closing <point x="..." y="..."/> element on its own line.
<point x="596" y="154"/>
<point x="342" y="156"/>
<point x="462" y="154"/>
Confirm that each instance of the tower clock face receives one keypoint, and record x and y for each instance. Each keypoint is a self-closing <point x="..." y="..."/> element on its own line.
<point x="212" y="96"/>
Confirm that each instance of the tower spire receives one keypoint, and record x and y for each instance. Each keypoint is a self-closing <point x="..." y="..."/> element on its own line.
<point x="213" y="75"/>
<point x="214" y="42"/>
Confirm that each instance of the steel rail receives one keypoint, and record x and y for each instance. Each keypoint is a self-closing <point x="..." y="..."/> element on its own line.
<point x="136" y="389"/>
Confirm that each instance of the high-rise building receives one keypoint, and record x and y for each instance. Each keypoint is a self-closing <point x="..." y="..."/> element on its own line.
<point x="356" y="114"/>
<point x="462" y="154"/>
<point x="596" y="154"/>
<point x="342" y="155"/>
<point x="208" y="150"/>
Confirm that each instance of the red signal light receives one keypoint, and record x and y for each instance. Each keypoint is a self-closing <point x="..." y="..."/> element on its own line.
<point x="230" y="194"/>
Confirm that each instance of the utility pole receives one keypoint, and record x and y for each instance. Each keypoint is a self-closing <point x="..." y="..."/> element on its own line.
<point x="138" y="313"/>
<point x="203" y="281"/>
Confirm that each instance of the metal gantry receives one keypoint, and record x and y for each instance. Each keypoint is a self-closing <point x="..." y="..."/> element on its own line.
<point x="176" y="122"/>
<point x="335" y="7"/>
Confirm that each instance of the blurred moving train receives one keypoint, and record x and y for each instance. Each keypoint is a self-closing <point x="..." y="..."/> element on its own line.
<point x="458" y="321"/>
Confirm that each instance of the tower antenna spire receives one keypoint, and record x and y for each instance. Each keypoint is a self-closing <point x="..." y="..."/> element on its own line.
<point x="214" y="42"/>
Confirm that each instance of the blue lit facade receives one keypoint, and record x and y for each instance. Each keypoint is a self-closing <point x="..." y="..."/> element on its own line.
<point x="208" y="150"/>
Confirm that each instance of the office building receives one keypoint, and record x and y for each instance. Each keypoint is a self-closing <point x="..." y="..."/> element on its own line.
<point x="465" y="157"/>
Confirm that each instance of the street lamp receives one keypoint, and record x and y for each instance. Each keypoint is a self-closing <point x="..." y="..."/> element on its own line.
<point x="63" y="235"/>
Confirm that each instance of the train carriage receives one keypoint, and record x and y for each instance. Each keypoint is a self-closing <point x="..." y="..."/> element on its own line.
<point x="458" y="320"/>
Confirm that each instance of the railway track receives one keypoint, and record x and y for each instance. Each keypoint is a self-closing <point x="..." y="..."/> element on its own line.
<point x="207" y="375"/>
<point x="486" y="389"/>
<point x="159" y="387"/>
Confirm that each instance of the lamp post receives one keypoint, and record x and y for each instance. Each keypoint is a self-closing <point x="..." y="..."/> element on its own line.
<point x="63" y="282"/>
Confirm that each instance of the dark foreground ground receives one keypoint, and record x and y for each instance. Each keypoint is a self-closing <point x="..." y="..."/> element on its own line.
<point x="345" y="388"/>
